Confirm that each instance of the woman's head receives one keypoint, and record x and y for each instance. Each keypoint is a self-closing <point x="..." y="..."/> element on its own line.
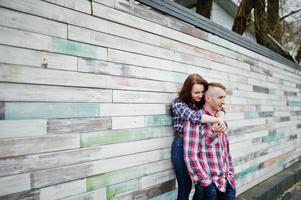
<point x="193" y="89"/>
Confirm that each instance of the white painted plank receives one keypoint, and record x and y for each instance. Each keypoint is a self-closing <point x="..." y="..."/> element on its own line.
<point x="110" y="41"/>
<point x="9" y="73"/>
<point x="22" y="128"/>
<point x="124" y="18"/>
<point x="14" y="55"/>
<point x="127" y="122"/>
<point x="99" y="194"/>
<point x="14" y="184"/>
<point x="121" y="96"/>
<point x="24" y="146"/>
<point x="103" y="67"/>
<point x="26" y="92"/>
<point x="28" y="22"/>
<point x="63" y="190"/>
<point x="132" y="109"/>
<point x="73" y="172"/>
<point x="79" y="5"/>
<point x="36" y="41"/>
<point x="105" y="2"/>
<point x="154" y="179"/>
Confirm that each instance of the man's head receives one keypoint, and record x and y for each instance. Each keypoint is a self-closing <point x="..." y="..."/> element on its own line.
<point x="215" y="96"/>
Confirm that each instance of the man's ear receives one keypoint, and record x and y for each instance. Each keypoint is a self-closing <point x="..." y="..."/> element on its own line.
<point x="207" y="98"/>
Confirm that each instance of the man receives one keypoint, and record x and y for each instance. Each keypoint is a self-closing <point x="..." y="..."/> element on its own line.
<point x="206" y="152"/>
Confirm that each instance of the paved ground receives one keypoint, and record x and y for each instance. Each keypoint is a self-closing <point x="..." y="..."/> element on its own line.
<point x="293" y="193"/>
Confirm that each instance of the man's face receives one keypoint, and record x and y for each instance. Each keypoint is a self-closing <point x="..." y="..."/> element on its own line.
<point x="215" y="97"/>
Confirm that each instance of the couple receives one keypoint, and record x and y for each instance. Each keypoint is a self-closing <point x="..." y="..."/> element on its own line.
<point x="200" y="150"/>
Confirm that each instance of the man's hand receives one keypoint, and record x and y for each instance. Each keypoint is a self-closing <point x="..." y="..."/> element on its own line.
<point x="219" y="126"/>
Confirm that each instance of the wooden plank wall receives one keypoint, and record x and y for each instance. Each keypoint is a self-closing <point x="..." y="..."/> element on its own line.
<point x="85" y="89"/>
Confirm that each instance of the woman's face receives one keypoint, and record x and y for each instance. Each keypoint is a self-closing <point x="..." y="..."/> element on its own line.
<point x="197" y="92"/>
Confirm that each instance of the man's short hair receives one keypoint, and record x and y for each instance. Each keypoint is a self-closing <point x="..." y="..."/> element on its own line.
<point x="215" y="84"/>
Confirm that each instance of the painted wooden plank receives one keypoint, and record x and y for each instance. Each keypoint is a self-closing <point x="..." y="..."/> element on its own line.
<point x="82" y="5"/>
<point x="40" y="93"/>
<point x="122" y="96"/>
<point x="124" y="18"/>
<point x="28" y="195"/>
<point x="42" y="161"/>
<point x="127" y="122"/>
<point x="154" y="179"/>
<point x="78" y="125"/>
<point x="168" y="195"/>
<point x="22" y="128"/>
<point x="25" y="146"/>
<point x="111" y="178"/>
<point x="63" y="190"/>
<point x="36" y="41"/>
<point x="116" y="136"/>
<point x="110" y="41"/>
<point x="2" y="111"/>
<point x="158" y="120"/>
<point x="14" y="184"/>
<point x="103" y="67"/>
<point x="148" y="193"/>
<point x="27" y="110"/>
<point x="99" y="194"/>
<point x="73" y="172"/>
<point x="132" y="109"/>
<point x="32" y="23"/>
<point x="8" y="73"/>
<point x="13" y="55"/>
<point x="124" y="187"/>
<point x="105" y="2"/>
<point x="156" y="63"/>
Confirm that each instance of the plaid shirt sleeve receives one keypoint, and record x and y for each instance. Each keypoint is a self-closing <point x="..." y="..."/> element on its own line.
<point x="191" y="151"/>
<point x="181" y="109"/>
<point x="231" y="167"/>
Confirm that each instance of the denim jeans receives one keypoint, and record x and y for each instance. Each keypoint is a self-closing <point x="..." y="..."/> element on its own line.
<point x="183" y="178"/>
<point x="212" y="193"/>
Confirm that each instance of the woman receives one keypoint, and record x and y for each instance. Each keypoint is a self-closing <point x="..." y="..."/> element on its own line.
<point x="186" y="107"/>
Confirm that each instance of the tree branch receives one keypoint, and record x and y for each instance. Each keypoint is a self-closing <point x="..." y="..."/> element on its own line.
<point x="289" y="14"/>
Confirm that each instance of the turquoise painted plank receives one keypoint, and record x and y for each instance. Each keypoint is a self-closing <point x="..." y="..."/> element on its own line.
<point x="171" y="195"/>
<point x="294" y="103"/>
<point x="78" y="49"/>
<point x="157" y="120"/>
<point x="27" y="110"/>
<point x="250" y="115"/>
<point x="272" y="91"/>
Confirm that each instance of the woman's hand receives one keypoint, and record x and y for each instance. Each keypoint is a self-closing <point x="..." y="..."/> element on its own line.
<point x="219" y="126"/>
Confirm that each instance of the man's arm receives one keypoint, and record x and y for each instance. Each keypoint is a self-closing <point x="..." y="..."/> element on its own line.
<point x="191" y="151"/>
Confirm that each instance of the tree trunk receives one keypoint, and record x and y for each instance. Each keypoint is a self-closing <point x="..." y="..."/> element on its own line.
<point x="204" y="7"/>
<point x="242" y="15"/>
<point x="273" y="18"/>
<point x="298" y="56"/>
<point x="260" y="22"/>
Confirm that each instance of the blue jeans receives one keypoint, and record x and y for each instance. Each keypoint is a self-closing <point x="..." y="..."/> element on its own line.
<point x="212" y="193"/>
<point x="183" y="178"/>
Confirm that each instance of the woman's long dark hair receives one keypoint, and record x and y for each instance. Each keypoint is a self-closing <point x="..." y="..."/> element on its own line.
<point x="185" y="93"/>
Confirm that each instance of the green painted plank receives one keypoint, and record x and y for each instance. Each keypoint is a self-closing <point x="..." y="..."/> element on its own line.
<point x="158" y="120"/>
<point x="123" y="135"/>
<point x="124" y="187"/>
<point x="78" y="49"/>
<point x="111" y="178"/>
<point x="28" y="110"/>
